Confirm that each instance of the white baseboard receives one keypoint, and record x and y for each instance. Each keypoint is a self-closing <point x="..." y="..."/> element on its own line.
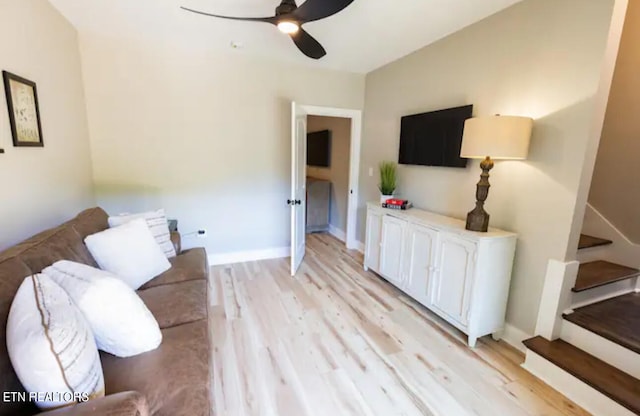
<point x="337" y="233"/>
<point x="251" y="255"/>
<point x="514" y="337"/>
<point x="360" y="246"/>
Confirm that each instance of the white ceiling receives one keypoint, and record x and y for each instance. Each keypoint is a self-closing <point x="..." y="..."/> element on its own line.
<point x="366" y="35"/>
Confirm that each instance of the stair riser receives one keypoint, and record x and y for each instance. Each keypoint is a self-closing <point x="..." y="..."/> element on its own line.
<point x="587" y="255"/>
<point x="601" y="293"/>
<point x="609" y="352"/>
<point x="582" y="394"/>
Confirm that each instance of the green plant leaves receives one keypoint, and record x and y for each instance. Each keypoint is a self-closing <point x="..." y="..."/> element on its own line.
<point x="388" y="176"/>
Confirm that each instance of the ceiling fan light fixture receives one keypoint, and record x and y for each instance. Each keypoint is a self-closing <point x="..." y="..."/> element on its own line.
<point x="289" y="27"/>
<point x="289" y="18"/>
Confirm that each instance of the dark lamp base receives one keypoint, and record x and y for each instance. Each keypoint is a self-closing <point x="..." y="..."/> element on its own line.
<point x="478" y="220"/>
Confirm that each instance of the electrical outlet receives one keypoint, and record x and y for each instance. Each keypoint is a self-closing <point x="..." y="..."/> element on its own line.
<point x="370" y="171"/>
<point x="202" y="233"/>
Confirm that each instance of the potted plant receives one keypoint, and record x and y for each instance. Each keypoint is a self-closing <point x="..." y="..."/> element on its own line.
<point x="387" y="184"/>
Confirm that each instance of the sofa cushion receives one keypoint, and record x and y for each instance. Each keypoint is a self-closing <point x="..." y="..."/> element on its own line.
<point x="90" y="221"/>
<point x="174" y="378"/>
<point x="158" y="225"/>
<point x="64" y="244"/>
<point x="21" y="247"/>
<point x="130" y="403"/>
<point x="190" y="265"/>
<point x="130" y="252"/>
<point x="121" y="323"/>
<point x="178" y="303"/>
<point x="87" y="222"/>
<point x="12" y="274"/>
<point x="51" y="345"/>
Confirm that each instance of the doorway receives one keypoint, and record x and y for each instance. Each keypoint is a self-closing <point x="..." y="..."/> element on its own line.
<point x="328" y="151"/>
<point x="299" y="175"/>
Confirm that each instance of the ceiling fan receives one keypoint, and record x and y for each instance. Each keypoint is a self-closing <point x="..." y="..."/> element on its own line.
<point x="289" y="19"/>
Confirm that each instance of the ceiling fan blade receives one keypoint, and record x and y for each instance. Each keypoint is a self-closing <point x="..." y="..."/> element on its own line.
<point x="307" y="44"/>
<point x="272" y="20"/>
<point x="312" y="10"/>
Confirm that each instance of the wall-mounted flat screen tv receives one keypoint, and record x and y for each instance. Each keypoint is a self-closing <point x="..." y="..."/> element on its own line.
<point x="319" y="149"/>
<point x="435" y="138"/>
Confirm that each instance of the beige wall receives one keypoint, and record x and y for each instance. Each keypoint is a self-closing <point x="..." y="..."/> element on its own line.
<point x="204" y="135"/>
<point x="615" y="191"/>
<point x="539" y="58"/>
<point x="42" y="187"/>
<point x="338" y="172"/>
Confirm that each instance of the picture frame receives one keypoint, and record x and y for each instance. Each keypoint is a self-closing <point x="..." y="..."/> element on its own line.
<point x="24" y="110"/>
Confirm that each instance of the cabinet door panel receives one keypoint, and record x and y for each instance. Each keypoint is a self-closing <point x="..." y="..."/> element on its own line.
<point x="393" y="230"/>
<point x="454" y="277"/>
<point x="373" y="238"/>
<point x="421" y="247"/>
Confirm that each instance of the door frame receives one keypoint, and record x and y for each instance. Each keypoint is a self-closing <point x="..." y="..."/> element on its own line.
<point x="298" y="185"/>
<point x="354" y="162"/>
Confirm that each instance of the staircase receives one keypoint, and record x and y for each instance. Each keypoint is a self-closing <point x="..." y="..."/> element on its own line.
<point x="596" y="359"/>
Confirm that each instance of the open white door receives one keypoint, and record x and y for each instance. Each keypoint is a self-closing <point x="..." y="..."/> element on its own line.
<point x="298" y="199"/>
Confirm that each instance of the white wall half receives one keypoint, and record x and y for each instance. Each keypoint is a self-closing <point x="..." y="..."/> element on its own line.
<point x="539" y="58"/>
<point x="614" y="191"/>
<point x="203" y="134"/>
<point x="43" y="186"/>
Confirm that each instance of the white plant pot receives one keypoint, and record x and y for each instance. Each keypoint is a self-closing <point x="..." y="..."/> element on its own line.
<point x="383" y="198"/>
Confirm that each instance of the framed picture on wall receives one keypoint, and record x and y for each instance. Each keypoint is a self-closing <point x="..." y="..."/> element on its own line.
<point x="24" y="113"/>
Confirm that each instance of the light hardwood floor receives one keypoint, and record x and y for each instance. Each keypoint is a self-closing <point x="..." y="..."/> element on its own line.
<point x="336" y="340"/>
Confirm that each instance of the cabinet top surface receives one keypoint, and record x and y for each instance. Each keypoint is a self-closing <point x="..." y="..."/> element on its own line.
<point x="312" y="179"/>
<point x="430" y="218"/>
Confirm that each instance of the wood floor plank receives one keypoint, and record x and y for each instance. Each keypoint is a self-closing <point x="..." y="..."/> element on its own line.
<point x="530" y="400"/>
<point x="335" y="340"/>
<point x="346" y="395"/>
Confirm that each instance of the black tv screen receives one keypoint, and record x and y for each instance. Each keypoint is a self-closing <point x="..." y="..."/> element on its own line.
<point x="319" y="148"/>
<point x="435" y="138"/>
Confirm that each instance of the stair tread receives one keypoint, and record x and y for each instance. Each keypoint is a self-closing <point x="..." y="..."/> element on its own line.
<point x="599" y="273"/>
<point x="616" y="319"/>
<point x="610" y="381"/>
<point x="588" y="241"/>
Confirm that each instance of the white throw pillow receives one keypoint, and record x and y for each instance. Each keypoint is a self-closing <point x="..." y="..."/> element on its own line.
<point x="121" y="323"/>
<point x="51" y="345"/>
<point x="128" y="251"/>
<point x="157" y="222"/>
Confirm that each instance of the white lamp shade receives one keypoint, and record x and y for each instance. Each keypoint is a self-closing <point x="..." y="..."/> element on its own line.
<point x="499" y="137"/>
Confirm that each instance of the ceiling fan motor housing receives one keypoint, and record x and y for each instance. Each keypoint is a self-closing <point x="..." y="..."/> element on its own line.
<point x="286" y="7"/>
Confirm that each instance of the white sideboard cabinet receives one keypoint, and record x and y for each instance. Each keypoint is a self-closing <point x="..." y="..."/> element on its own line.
<point x="463" y="276"/>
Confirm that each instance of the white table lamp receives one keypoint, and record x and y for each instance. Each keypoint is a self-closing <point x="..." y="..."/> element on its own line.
<point x="488" y="138"/>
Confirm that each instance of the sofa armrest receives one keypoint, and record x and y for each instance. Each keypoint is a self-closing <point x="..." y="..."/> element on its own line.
<point x="129" y="403"/>
<point x="176" y="240"/>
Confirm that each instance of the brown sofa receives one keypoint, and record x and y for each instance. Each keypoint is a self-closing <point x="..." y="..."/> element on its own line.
<point x="171" y="380"/>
